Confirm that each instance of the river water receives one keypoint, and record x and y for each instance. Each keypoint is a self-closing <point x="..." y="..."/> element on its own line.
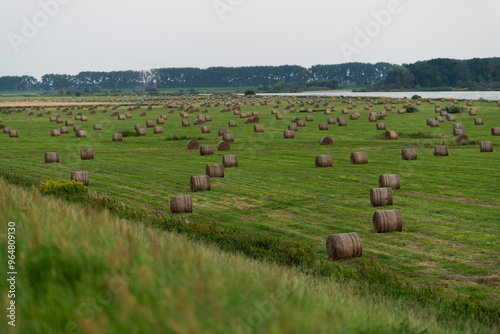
<point x="472" y="95"/>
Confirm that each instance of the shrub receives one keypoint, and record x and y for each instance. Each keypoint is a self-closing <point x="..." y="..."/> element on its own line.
<point x="176" y="137"/>
<point x="454" y="110"/>
<point x="411" y="109"/>
<point x="62" y="187"/>
<point x="249" y="92"/>
<point x="129" y="134"/>
<point x="416" y="97"/>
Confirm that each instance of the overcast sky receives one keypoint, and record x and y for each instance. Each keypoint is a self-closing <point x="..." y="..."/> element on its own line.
<point x="68" y="36"/>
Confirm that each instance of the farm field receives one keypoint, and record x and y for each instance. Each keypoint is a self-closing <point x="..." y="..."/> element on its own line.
<point x="450" y="205"/>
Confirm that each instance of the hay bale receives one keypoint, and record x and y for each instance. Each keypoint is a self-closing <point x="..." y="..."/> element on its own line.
<point x="495" y="131"/>
<point x="64" y="130"/>
<point x="13" y="134"/>
<point x="331" y="121"/>
<point x="223" y="146"/>
<point x="301" y="124"/>
<point x="137" y="126"/>
<point x="461" y="139"/>
<point x="323" y="126"/>
<point x="97" y="127"/>
<point x="165" y="117"/>
<point x="344" y="246"/>
<point x="232" y="124"/>
<point x="55" y="133"/>
<point x="51" y="157"/>
<point x="473" y="112"/>
<point x="342" y="122"/>
<point x="295" y="119"/>
<point x="141" y="132"/>
<point x="389" y="181"/>
<point x="215" y="170"/>
<point x="222" y="132"/>
<point x="359" y="158"/>
<point x="193" y="144"/>
<point x="433" y="123"/>
<point x="451" y="118"/>
<point x="381" y="197"/>
<point x="441" y="151"/>
<point x="84" y="119"/>
<point x="289" y="134"/>
<point x="409" y="154"/>
<point x="6" y="130"/>
<point x="53" y="119"/>
<point x="82" y="177"/>
<point x="309" y="118"/>
<point x="258" y="128"/>
<point x="372" y="118"/>
<point x="160" y="121"/>
<point x="150" y="124"/>
<point x="59" y="120"/>
<point x="142" y="114"/>
<point x="380" y="117"/>
<point x="206" y="150"/>
<point x="479" y="121"/>
<point x="200" y="183"/>
<point x="249" y="121"/>
<point x="440" y="119"/>
<point x="81" y="134"/>
<point x="324" y="161"/>
<point x="121" y="117"/>
<point x="157" y="130"/>
<point x="387" y="221"/>
<point x="486" y="146"/>
<point x="326" y="141"/>
<point x="381" y="126"/>
<point x="293" y="127"/>
<point x="198" y="122"/>
<point x="205" y="129"/>
<point x="186" y="123"/>
<point x="391" y="135"/>
<point x="230" y="161"/>
<point x="87" y="154"/>
<point x="229" y="137"/>
<point x="279" y="117"/>
<point x="117" y="137"/>
<point x="354" y="116"/>
<point x="181" y="204"/>
<point x="255" y="119"/>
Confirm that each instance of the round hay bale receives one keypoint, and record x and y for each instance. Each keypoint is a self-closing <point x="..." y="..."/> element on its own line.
<point x="193" y="144"/>
<point x="372" y="118"/>
<point x="301" y="124"/>
<point x="354" y="116"/>
<point x="150" y="124"/>
<point x="380" y="117"/>
<point x="249" y="121"/>
<point x="215" y="170"/>
<point x="165" y="117"/>
<point x="200" y="183"/>
<point x="451" y="118"/>
<point x="495" y="131"/>
<point x="295" y="119"/>
<point x="342" y="122"/>
<point x="279" y="117"/>
<point x="387" y="221"/>
<point x="223" y="146"/>
<point x="137" y="126"/>
<point x="344" y="246"/>
<point x="473" y="112"/>
<point x="309" y="118"/>
<point x="323" y="126"/>
<point x="160" y="121"/>
<point x="461" y="139"/>
<point x="81" y="134"/>
<point x="157" y="130"/>
<point x="232" y="124"/>
<point x="82" y="177"/>
<point x="198" y="122"/>
<point x="289" y="134"/>
<point x="117" y="137"/>
<point x="121" y="117"/>
<point x="331" y="121"/>
<point x="6" y="130"/>
<point x="274" y="112"/>
<point x="441" y="151"/>
<point x="381" y="197"/>
<point x="51" y="157"/>
<point x="440" y="119"/>
<point x="258" y="128"/>
<point x="328" y="111"/>
<point x="409" y="154"/>
<point x="324" y="161"/>
<point x="345" y="111"/>
<point x="326" y="141"/>
<point x="255" y="119"/>
<point x="64" y="130"/>
<point x="389" y="181"/>
<point x="55" y="133"/>
<point x="53" y="119"/>
<point x="77" y="118"/>
<point x="402" y="111"/>
<point x="230" y="161"/>
<point x="13" y="134"/>
<point x="87" y="154"/>
<point x="39" y="115"/>
<point x="229" y="137"/>
<point x="255" y="113"/>
<point x="222" y="132"/>
<point x="381" y="126"/>
<point x="373" y="114"/>
<point x="486" y="146"/>
<point x="142" y="114"/>
<point x="186" y="123"/>
<point x="206" y="150"/>
<point x="391" y="135"/>
<point x="293" y="127"/>
<point x="433" y="123"/>
<point x="205" y="129"/>
<point x="479" y="121"/>
<point x="84" y="118"/>
<point x="359" y="158"/>
<point x="181" y="204"/>
<point x="59" y="120"/>
<point x="141" y="131"/>
<point x="443" y="113"/>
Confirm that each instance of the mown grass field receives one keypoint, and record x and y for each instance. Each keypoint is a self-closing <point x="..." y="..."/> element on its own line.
<point x="450" y="205"/>
<point x="81" y="271"/>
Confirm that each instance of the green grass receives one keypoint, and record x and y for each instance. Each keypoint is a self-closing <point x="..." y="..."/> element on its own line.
<point x="83" y="271"/>
<point x="450" y="205"/>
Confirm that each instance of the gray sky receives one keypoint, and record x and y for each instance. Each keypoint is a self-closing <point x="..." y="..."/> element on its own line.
<point x="70" y="36"/>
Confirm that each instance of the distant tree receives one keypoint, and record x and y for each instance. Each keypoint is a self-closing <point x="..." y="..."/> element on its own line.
<point x="249" y="92"/>
<point x="61" y="92"/>
<point x="69" y="92"/>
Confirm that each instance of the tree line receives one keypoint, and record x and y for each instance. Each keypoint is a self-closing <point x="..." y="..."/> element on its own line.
<point x="254" y="76"/>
